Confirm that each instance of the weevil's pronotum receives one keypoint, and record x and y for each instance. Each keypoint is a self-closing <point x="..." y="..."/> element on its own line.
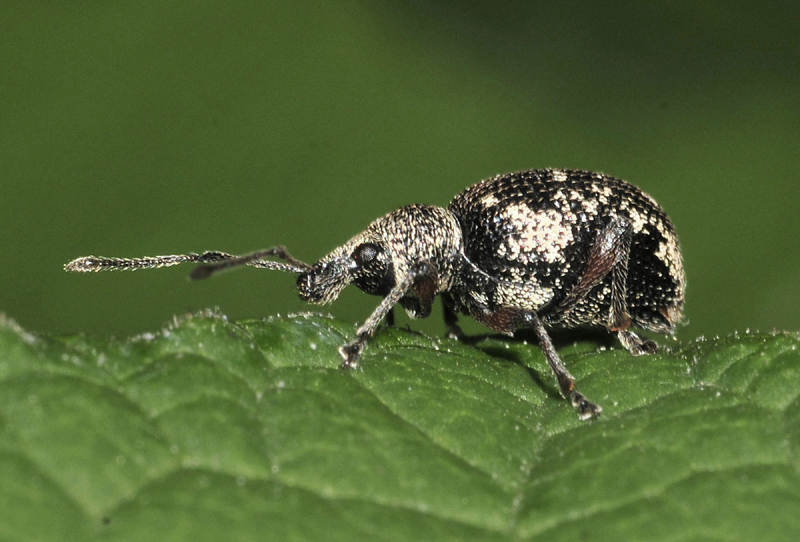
<point x="536" y="249"/>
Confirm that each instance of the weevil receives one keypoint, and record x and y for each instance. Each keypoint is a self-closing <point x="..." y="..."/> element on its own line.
<point x="539" y="249"/>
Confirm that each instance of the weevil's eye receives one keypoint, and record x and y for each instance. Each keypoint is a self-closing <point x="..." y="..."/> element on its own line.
<point x="372" y="269"/>
<point x="364" y="254"/>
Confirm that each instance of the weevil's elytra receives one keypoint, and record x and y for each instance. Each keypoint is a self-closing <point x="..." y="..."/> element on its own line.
<point x="535" y="249"/>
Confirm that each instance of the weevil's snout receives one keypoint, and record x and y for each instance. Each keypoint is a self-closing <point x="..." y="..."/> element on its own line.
<point x="323" y="282"/>
<point x="363" y="261"/>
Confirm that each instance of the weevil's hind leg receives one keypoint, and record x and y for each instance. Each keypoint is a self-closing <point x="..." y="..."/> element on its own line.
<point x="422" y="278"/>
<point x="609" y="255"/>
<point x="619" y="320"/>
<point x="586" y="408"/>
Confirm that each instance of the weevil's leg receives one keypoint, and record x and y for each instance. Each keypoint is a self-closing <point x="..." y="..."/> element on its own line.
<point x="416" y="279"/>
<point x="507" y="320"/>
<point x="390" y="317"/>
<point x="451" y="318"/>
<point x="425" y="286"/>
<point x="254" y="259"/>
<point x="608" y="254"/>
<point x="619" y="319"/>
<point x="586" y="408"/>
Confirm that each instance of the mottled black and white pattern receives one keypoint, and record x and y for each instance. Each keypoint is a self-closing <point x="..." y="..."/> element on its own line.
<point x="533" y="231"/>
<point x="535" y="249"/>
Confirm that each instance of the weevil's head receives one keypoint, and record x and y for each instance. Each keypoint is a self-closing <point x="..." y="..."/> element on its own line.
<point x="379" y="257"/>
<point x="363" y="261"/>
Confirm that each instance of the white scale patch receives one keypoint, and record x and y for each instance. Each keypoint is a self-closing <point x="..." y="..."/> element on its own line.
<point x="670" y="253"/>
<point x="528" y="297"/>
<point x="479" y="297"/>
<point x="590" y="207"/>
<point x="489" y="201"/>
<point x="541" y="234"/>
<point x="560" y="175"/>
<point x="637" y="220"/>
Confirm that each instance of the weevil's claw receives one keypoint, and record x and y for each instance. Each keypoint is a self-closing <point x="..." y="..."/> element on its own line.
<point x="454" y="332"/>
<point x="586" y="409"/>
<point x="350" y="353"/>
<point x="635" y="344"/>
<point x="649" y="347"/>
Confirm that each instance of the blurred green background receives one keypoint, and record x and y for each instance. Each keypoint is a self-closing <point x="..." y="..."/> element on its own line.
<point x="159" y="127"/>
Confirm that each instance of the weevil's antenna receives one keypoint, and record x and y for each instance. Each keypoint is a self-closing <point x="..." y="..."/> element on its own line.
<point x="254" y="259"/>
<point x="218" y="261"/>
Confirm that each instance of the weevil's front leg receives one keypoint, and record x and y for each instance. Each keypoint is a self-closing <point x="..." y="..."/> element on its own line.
<point x="422" y="278"/>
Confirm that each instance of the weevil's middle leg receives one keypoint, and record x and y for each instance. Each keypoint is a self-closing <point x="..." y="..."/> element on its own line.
<point x="507" y="320"/>
<point x="586" y="408"/>
<point x="390" y="318"/>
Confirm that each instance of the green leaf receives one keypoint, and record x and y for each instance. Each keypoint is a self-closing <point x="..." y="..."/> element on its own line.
<point x="215" y="430"/>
